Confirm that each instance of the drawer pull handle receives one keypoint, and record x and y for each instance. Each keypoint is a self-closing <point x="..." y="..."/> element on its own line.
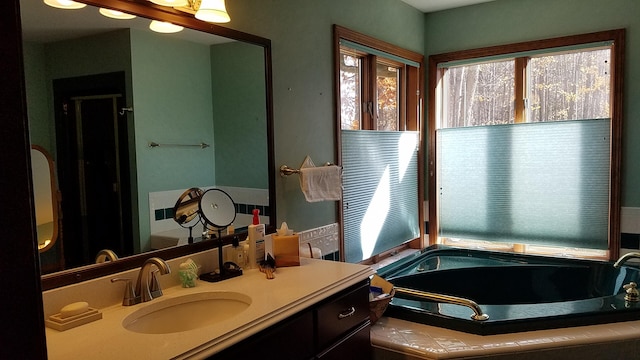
<point x="346" y="313"/>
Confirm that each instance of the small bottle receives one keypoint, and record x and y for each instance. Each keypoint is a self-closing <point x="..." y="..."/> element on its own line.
<point x="255" y="239"/>
<point x="245" y="249"/>
<point x="237" y="252"/>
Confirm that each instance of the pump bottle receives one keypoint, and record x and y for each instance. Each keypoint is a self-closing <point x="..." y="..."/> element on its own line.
<point x="255" y="239"/>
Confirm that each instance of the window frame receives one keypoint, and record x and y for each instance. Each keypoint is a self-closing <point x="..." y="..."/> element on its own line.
<point x="617" y="36"/>
<point x="411" y="120"/>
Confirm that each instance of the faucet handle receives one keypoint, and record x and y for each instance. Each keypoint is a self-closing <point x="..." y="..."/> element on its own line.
<point x="154" y="287"/>
<point x="130" y="297"/>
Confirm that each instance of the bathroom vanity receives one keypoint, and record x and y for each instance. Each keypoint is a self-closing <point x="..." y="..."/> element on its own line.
<point x="316" y="310"/>
<point x="337" y="326"/>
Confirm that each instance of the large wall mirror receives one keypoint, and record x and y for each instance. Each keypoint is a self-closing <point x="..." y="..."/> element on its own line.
<point x="132" y="118"/>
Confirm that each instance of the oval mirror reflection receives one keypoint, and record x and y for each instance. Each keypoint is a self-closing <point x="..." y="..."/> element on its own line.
<point x="186" y="209"/>
<point x="46" y="197"/>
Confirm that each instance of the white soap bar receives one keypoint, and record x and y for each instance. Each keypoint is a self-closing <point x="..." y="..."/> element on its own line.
<point x="75" y="308"/>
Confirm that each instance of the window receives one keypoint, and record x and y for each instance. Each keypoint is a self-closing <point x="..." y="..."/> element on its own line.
<point x="351" y="102"/>
<point x="524" y="146"/>
<point x="378" y="130"/>
<point x="479" y="94"/>
<point x="569" y="86"/>
<point x="358" y="94"/>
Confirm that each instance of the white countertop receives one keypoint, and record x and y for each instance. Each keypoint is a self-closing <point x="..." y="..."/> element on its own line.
<point x="293" y="289"/>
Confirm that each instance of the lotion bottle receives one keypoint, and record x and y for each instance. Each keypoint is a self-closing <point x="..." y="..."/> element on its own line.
<point x="255" y="239"/>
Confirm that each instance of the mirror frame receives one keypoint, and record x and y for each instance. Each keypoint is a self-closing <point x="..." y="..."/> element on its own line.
<point x="149" y="10"/>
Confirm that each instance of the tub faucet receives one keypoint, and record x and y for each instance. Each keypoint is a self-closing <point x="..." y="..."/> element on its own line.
<point x="147" y="286"/>
<point x="626" y="257"/>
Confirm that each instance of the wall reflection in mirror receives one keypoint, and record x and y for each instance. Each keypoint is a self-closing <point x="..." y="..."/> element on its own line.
<point x="100" y="90"/>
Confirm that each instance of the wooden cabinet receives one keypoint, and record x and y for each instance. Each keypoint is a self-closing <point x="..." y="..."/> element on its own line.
<point x="354" y="345"/>
<point x="332" y="329"/>
<point x="338" y="317"/>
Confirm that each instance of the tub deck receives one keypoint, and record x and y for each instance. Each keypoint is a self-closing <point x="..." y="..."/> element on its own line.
<point x="403" y="340"/>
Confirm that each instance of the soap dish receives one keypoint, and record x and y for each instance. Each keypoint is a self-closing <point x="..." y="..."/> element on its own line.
<point x="61" y="324"/>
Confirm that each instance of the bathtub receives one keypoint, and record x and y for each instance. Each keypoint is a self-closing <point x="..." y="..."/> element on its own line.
<point x="517" y="292"/>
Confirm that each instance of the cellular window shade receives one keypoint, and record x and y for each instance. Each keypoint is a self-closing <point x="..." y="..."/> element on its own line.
<point x="536" y="183"/>
<point x="380" y="180"/>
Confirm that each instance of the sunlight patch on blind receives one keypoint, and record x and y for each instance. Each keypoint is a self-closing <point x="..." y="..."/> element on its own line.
<point x="380" y="179"/>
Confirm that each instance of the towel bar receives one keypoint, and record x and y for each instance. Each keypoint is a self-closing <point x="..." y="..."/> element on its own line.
<point x="286" y="171"/>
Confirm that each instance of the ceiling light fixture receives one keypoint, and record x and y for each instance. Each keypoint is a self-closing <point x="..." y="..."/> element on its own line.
<point x="115" y="14"/>
<point x="164" y="27"/>
<point x="212" y="11"/>
<point x="64" y="4"/>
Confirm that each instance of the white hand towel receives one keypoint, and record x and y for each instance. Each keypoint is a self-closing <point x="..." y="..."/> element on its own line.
<point x="322" y="183"/>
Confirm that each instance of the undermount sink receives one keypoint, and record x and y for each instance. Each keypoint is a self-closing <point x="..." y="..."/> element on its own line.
<point x="187" y="312"/>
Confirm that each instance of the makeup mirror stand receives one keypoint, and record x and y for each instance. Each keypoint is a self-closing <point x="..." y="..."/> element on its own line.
<point x="217" y="211"/>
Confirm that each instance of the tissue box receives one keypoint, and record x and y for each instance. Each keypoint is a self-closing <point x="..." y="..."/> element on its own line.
<point x="286" y="250"/>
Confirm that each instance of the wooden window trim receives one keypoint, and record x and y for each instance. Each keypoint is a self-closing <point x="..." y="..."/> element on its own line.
<point x="520" y="89"/>
<point x="369" y="93"/>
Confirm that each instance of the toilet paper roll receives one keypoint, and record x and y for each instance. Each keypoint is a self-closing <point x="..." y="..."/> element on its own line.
<point x="310" y="252"/>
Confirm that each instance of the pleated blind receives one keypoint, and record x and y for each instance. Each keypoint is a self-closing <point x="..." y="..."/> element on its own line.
<point x="537" y="183"/>
<point x="380" y="179"/>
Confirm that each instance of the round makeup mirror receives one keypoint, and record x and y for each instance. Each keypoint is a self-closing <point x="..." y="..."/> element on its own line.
<point x="217" y="209"/>
<point x="187" y="207"/>
<point x="186" y="212"/>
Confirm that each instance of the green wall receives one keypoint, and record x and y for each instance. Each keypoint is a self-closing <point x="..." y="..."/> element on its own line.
<point x="38" y="100"/>
<point x="174" y="108"/>
<point x="240" y="117"/>
<point x="508" y="21"/>
<point x="302" y="40"/>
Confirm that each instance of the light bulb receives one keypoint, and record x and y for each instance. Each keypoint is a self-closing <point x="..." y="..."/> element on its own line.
<point x="115" y="14"/>
<point x="65" y="4"/>
<point x="164" y="27"/>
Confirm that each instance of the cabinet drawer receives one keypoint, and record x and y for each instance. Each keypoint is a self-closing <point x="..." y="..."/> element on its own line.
<point x="355" y="346"/>
<point x="342" y="314"/>
<point x="290" y="339"/>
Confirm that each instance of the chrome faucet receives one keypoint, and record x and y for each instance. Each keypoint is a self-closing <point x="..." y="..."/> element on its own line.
<point x="626" y="257"/>
<point x="104" y="255"/>
<point x="147" y="286"/>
